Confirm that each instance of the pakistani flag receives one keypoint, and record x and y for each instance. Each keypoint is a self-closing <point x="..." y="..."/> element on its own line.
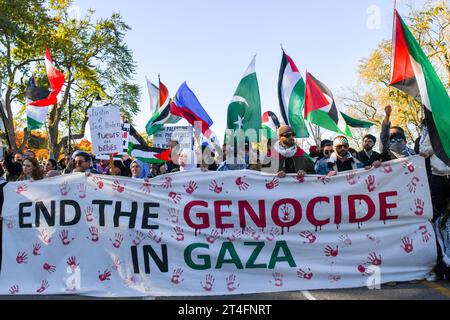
<point x="244" y="110"/>
<point x="270" y="124"/>
<point x="291" y="96"/>
<point x="412" y="73"/>
<point x="356" y="123"/>
<point x="162" y="115"/>
<point x="321" y="109"/>
<point x="35" y="115"/>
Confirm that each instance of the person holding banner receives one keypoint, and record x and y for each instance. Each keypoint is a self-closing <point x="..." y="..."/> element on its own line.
<point x="290" y="157"/>
<point x="342" y="159"/>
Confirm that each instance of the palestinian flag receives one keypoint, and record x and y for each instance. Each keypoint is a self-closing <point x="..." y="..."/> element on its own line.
<point x="38" y="99"/>
<point x="321" y="109"/>
<point x="270" y="124"/>
<point x="56" y="80"/>
<point x="356" y="123"/>
<point x="162" y="115"/>
<point x="35" y="115"/>
<point x="412" y="73"/>
<point x="148" y="154"/>
<point x="291" y="96"/>
<point x="244" y="110"/>
<point x="153" y="93"/>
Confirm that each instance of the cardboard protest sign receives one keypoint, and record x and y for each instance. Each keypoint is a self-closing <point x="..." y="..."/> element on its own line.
<point x="106" y="129"/>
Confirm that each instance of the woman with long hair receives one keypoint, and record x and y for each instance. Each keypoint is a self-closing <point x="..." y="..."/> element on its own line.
<point x="31" y="170"/>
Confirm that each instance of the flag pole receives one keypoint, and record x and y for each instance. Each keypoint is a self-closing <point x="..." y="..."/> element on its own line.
<point x="392" y="44"/>
<point x="3" y="115"/>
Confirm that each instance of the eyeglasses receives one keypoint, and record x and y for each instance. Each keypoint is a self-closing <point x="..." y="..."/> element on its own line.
<point x="288" y="135"/>
<point x="394" y="140"/>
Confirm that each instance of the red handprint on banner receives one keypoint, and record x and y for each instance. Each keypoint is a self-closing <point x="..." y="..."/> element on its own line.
<point x="179" y="233"/>
<point x="45" y="236"/>
<point x="117" y="186"/>
<point x="409" y="166"/>
<point x="374" y="259"/>
<point x="310" y="238"/>
<point x="419" y="207"/>
<point x="176" y="276"/>
<point x="351" y="178"/>
<point x="36" y="249"/>
<point x="22" y="188"/>
<point x="370" y="182"/>
<point x="64" y="188"/>
<point x="252" y="233"/>
<point x="286" y="212"/>
<point x="426" y="236"/>
<point x="138" y="238"/>
<point x="278" y="279"/>
<point x="191" y="187"/>
<point x="387" y="168"/>
<point x="64" y="236"/>
<point x="213" y="236"/>
<point x="175" y="197"/>
<point x="237" y="234"/>
<point x="330" y="252"/>
<point x="231" y="283"/>
<point x="305" y="275"/>
<point x="22" y="257"/>
<point x="105" y="275"/>
<point x="323" y="179"/>
<point x="98" y="181"/>
<point x="14" y="289"/>
<point x="72" y="262"/>
<point x="241" y="183"/>
<point x="153" y="236"/>
<point x="214" y="186"/>
<point x="272" y="184"/>
<point x="94" y="234"/>
<point x="173" y="215"/>
<point x="209" y="282"/>
<point x="43" y="287"/>
<point x="49" y="268"/>
<point x="273" y="233"/>
<point x="407" y="244"/>
<point x="117" y="242"/>
<point x="146" y="186"/>
<point x="167" y="184"/>
<point x="88" y="212"/>
<point x="345" y="239"/>
<point x="81" y="190"/>
<point x="412" y="185"/>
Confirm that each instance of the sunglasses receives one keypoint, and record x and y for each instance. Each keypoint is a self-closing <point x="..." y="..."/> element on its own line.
<point x="79" y="162"/>
<point x="342" y="146"/>
<point x="327" y="152"/>
<point x="394" y="140"/>
<point x="288" y="135"/>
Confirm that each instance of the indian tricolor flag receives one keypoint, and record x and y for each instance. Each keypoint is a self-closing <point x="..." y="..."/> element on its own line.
<point x="412" y="73"/>
<point x="291" y="96"/>
<point x="321" y="109"/>
<point x="37" y="102"/>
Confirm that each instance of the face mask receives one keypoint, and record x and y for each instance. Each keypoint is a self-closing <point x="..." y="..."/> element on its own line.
<point x="397" y="147"/>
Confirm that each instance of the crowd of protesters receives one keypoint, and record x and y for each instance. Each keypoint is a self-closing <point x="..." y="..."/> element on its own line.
<point x="282" y="156"/>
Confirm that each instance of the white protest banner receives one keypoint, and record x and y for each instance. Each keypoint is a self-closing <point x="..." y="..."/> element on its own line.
<point x="215" y="233"/>
<point x="106" y="129"/>
<point x="183" y="134"/>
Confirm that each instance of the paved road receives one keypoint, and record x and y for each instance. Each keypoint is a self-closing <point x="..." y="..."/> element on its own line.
<point x="403" y="291"/>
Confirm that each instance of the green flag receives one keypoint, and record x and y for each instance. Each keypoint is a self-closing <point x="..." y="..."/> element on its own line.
<point x="244" y="110"/>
